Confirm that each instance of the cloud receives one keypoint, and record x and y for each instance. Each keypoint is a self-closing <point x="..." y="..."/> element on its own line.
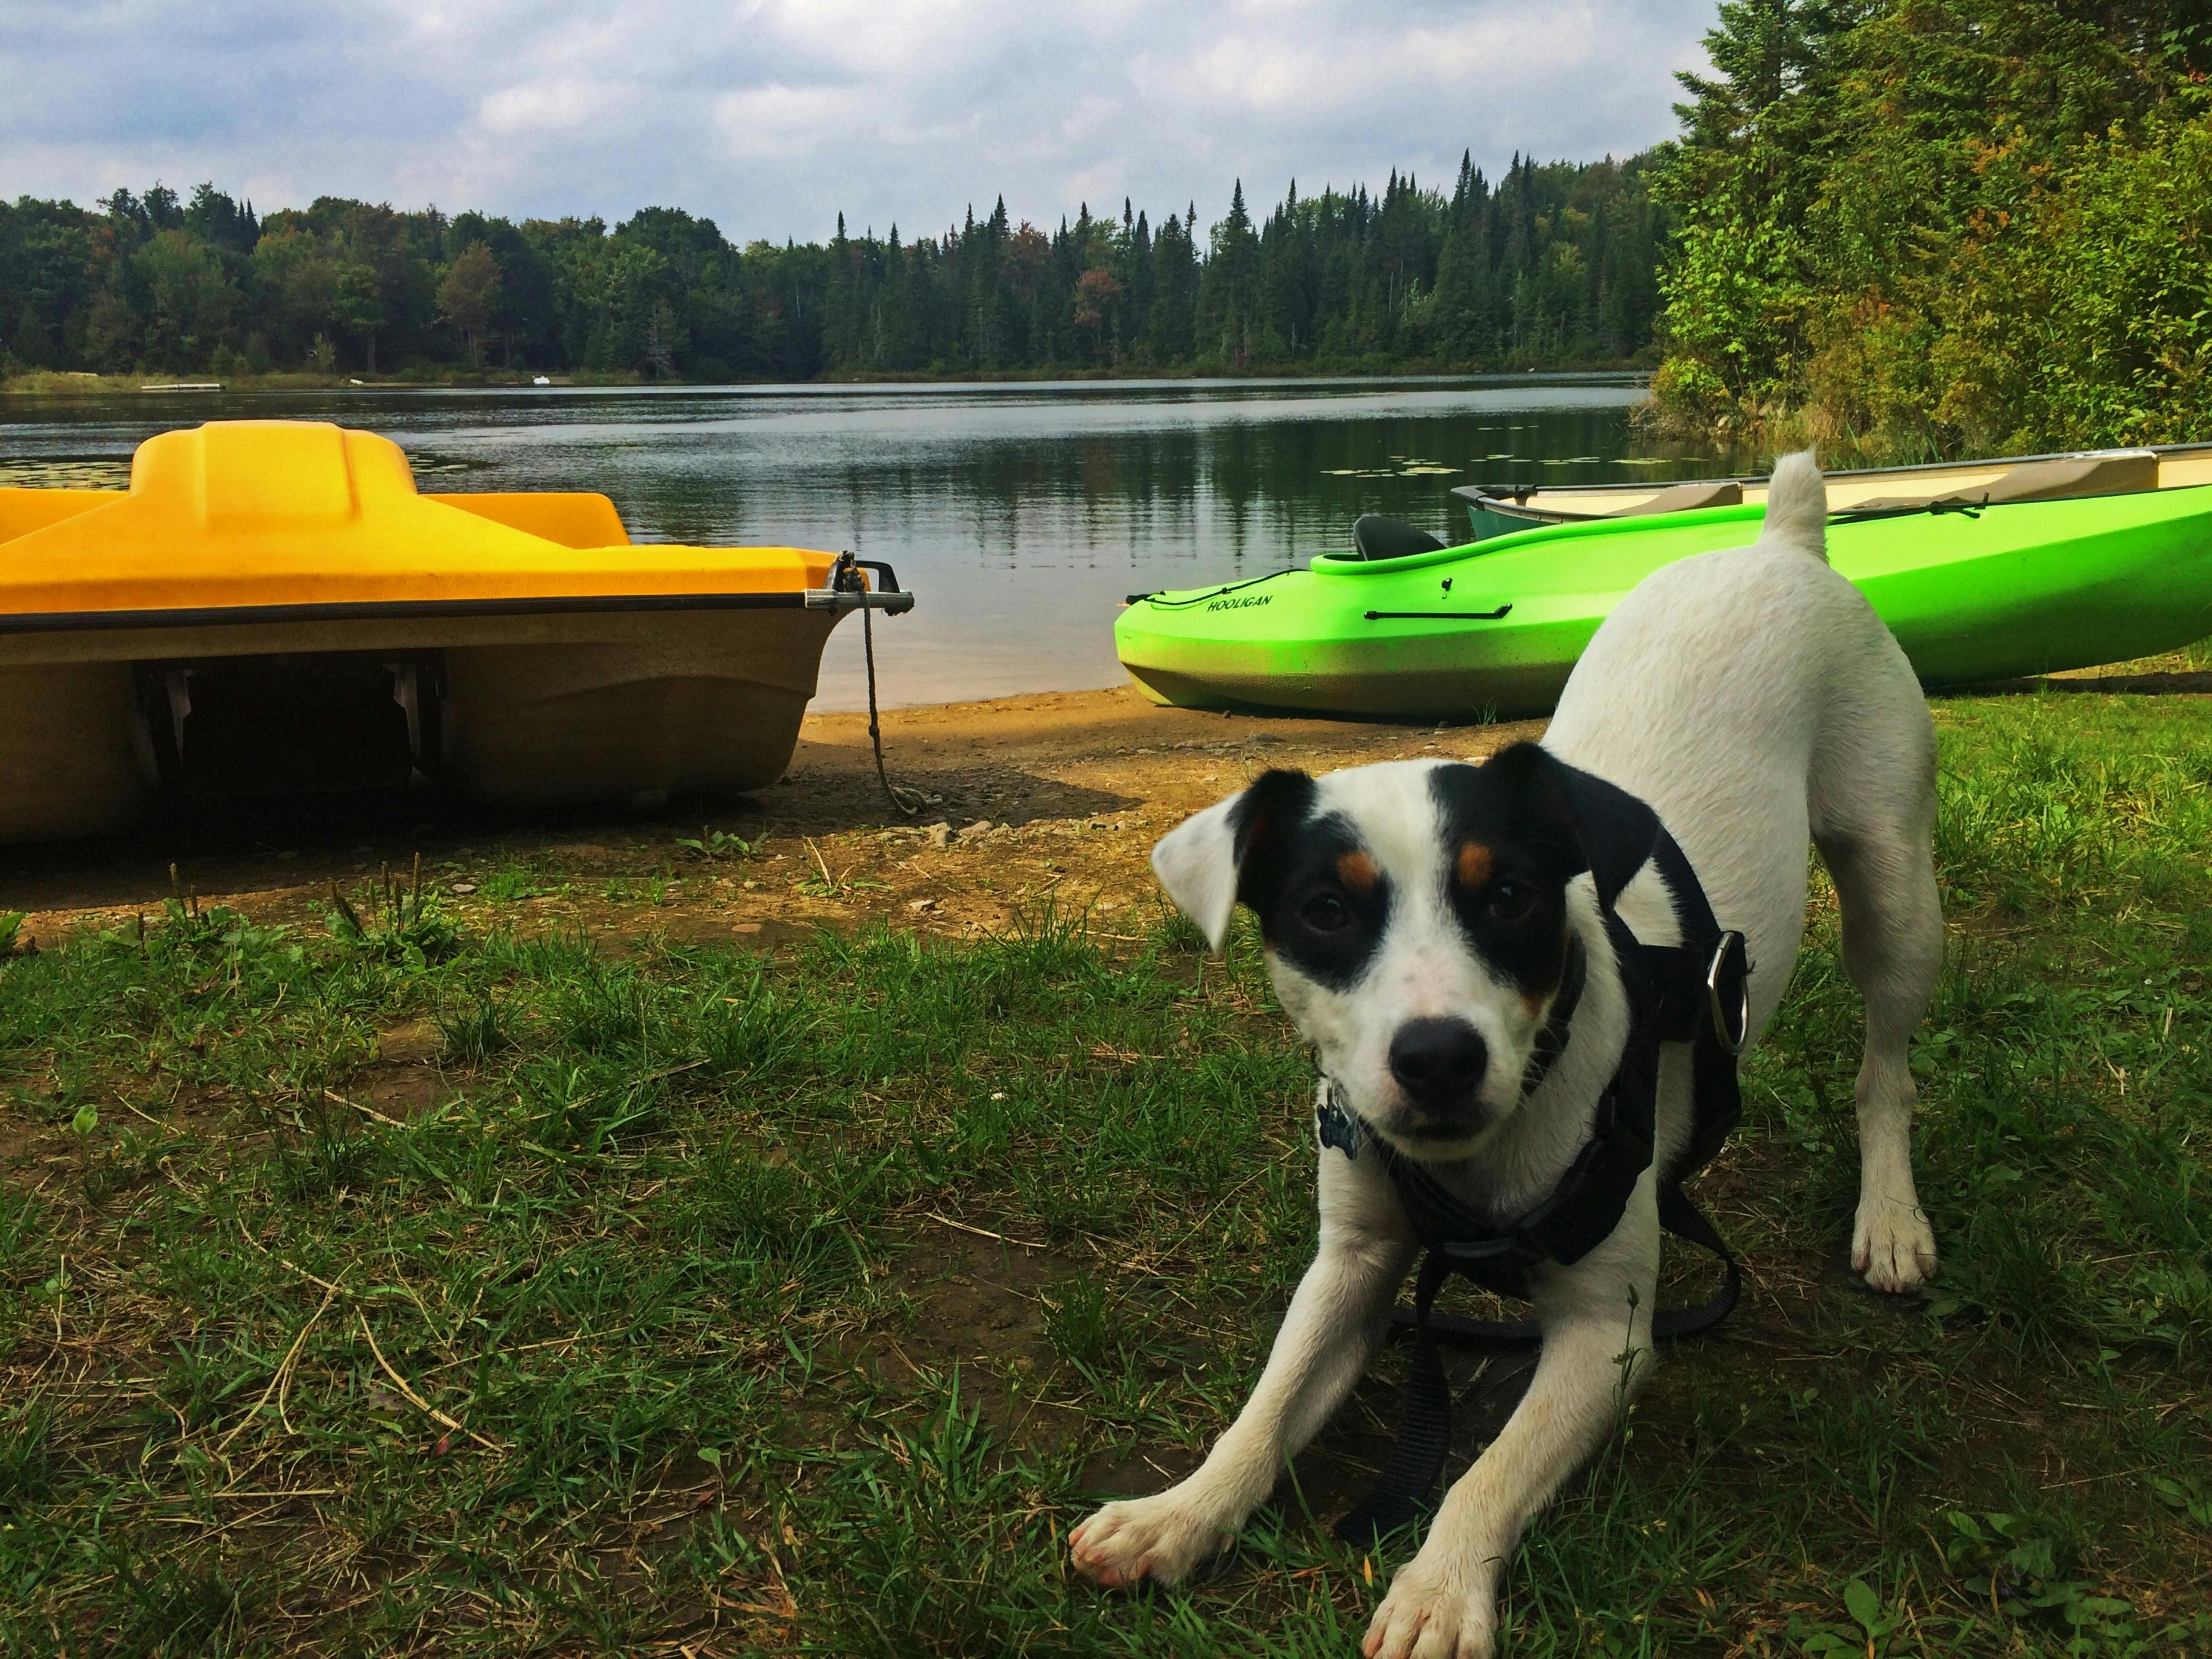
<point x="562" y="104"/>
<point x="781" y="123"/>
<point x="772" y="116"/>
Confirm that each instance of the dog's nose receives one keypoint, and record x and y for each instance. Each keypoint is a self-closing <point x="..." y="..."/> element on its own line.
<point x="1439" y="1063"/>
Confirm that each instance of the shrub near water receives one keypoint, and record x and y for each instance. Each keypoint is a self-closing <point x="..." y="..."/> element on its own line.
<point x="1928" y="227"/>
<point x="667" y="1255"/>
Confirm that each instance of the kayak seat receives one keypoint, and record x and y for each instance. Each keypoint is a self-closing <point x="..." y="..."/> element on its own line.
<point x="1380" y="538"/>
<point x="2119" y="472"/>
<point x="1686" y="497"/>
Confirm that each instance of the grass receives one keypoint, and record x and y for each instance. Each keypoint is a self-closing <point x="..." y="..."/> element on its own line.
<point x="731" y="1303"/>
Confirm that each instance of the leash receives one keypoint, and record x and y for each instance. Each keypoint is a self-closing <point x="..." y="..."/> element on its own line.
<point x="1696" y="991"/>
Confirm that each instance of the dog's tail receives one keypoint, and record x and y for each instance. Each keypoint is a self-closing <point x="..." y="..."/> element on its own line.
<point x="1797" y="505"/>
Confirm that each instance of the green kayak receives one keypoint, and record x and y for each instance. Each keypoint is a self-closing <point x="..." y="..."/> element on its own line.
<point x="1495" y="626"/>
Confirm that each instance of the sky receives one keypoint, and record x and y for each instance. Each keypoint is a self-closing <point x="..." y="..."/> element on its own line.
<point x="772" y="116"/>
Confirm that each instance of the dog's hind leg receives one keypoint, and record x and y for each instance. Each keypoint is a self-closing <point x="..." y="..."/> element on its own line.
<point x="1878" y="852"/>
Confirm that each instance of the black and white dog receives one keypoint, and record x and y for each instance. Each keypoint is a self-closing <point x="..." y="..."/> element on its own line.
<point x="1418" y="917"/>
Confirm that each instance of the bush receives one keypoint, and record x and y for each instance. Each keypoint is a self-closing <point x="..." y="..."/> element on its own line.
<point x="1944" y="226"/>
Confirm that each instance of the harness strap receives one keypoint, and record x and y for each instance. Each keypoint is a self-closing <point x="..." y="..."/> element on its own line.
<point x="1402" y="1492"/>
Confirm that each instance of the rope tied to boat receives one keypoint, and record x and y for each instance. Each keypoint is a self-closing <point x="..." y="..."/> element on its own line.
<point x="1870" y="514"/>
<point x="1154" y="599"/>
<point x="844" y="577"/>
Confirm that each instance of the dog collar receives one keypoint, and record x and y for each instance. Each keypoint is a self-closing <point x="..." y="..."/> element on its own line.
<point x="1552" y="1041"/>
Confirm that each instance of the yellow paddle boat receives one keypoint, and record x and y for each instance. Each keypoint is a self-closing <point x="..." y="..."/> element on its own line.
<point x="272" y="605"/>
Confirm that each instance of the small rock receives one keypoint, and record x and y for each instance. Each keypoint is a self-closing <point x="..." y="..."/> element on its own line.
<point x="975" y="831"/>
<point x="922" y="905"/>
<point x="464" y="887"/>
<point x="936" y="834"/>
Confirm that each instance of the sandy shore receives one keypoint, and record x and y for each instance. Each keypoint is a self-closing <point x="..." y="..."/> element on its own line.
<point x="1053" y="799"/>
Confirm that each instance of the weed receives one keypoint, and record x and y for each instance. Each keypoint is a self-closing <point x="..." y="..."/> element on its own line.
<point x="474" y="1029"/>
<point x="711" y="843"/>
<point x="1077" y="1324"/>
<point x="405" y="924"/>
<point x="511" y="884"/>
<point x="824" y="884"/>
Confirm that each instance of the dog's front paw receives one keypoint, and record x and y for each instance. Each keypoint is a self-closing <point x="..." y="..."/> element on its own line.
<point x="1893" y="1244"/>
<point x="1160" y="1538"/>
<point x="1431" y="1614"/>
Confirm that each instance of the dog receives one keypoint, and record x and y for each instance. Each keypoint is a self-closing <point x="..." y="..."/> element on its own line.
<point x="1416" y="916"/>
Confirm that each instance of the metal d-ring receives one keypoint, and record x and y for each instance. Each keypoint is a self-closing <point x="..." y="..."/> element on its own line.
<point x="1730" y="1035"/>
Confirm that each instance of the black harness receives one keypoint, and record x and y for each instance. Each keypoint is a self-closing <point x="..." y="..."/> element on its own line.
<point x="1695" y="992"/>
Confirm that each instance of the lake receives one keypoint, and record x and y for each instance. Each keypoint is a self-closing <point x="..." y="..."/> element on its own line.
<point x="1019" y="514"/>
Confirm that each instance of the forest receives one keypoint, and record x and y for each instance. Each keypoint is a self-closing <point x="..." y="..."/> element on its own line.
<point x="1553" y="266"/>
<point x="1935" y="226"/>
<point x="1897" y="227"/>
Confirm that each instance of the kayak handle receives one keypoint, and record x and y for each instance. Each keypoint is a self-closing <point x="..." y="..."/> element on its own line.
<point x="1438" y="615"/>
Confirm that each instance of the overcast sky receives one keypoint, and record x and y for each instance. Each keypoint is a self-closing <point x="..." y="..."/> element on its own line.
<point x="770" y="116"/>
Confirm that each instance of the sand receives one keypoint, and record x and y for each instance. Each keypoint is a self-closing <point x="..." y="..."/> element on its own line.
<point x="1047" y="800"/>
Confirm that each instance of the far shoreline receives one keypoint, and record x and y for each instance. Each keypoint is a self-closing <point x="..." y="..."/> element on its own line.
<point x="59" y="386"/>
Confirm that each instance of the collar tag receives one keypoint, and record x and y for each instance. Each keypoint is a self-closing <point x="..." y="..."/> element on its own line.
<point x="1336" y="1127"/>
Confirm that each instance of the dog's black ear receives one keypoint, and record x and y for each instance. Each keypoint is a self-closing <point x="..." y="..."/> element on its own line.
<point x="1612" y="831"/>
<point x="1201" y="861"/>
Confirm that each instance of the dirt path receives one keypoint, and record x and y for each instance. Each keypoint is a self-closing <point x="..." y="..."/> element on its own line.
<point x="1056" y="797"/>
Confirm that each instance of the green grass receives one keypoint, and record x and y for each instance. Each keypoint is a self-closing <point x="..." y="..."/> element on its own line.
<point x="644" y="1336"/>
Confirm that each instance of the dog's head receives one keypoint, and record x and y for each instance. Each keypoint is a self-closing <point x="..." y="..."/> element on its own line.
<point x="1416" y="919"/>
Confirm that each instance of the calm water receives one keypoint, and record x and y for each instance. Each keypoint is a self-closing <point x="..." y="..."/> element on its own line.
<point x="1020" y="515"/>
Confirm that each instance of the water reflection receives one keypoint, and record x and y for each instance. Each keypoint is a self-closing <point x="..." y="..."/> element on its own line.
<point x="1020" y="513"/>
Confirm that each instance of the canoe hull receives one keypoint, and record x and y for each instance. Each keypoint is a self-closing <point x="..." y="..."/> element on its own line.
<point x="2020" y="590"/>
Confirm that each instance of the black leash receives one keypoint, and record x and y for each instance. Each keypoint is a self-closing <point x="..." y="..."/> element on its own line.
<point x="1695" y="992"/>
<point x="1402" y="1492"/>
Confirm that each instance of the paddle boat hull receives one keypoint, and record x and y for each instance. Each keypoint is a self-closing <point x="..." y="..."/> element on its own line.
<point x="1493" y="629"/>
<point x="273" y="607"/>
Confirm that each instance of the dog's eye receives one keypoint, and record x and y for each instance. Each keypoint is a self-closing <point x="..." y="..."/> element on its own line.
<point x="1510" y="901"/>
<point x="1325" y="913"/>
